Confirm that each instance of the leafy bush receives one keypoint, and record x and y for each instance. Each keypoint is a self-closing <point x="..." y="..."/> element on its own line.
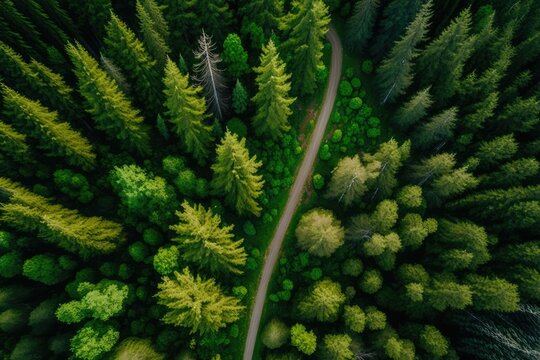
<point x="355" y="103"/>
<point x="345" y="88"/>
<point x="318" y="181"/>
<point x="356" y="83"/>
<point x="325" y="154"/>
<point x="367" y="66"/>
<point x="337" y="135"/>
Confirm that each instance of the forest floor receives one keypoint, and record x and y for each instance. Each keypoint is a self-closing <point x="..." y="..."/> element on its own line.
<point x="296" y="192"/>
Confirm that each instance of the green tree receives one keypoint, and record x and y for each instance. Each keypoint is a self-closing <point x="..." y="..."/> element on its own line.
<point x="272" y="99"/>
<point x="128" y="52"/>
<point x="305" y="341"/>
<point x="305" y="28"/>
<point x="235" y="56"/>
<point x="395" y="72"/>
<point x="240" y="98"/>
<point x="13" y="144"/>
<point x="235" y="175"/>
<point x="204" y="241"/>
<point x="493" y="294"/>
<point x="453" y="183"/>
<point x="154" y="29"/>
<point x="11" y="264"/>
<point x="414" y="110"/>
<point x="265" y="13"/>
<point x="410" y="197"/>
<point x="275" y="334"/>
<point x="397" y="15"/>
<point x="381" y="221"/>
<point x="195" y="303"/>
<point x="435" y="166"/>
<point x="55" y="137"/>
<point x="371" y="281"/>
<point x="319" y="232"/>
<point x="134" y="348"/>
<point x="348" y="182"/>
<point x="28" y="212"/>
<point x="322" y="302"/>
<point x="441" y="63"/>
<point x="413" y="230"/>
<point x="93" y="340"/>
<point x="354" y="318"/>
<point x="166" y="261"/>
<point x="360" y="25"/>
<point x="444" y="293"/>
<point x="186" y="110"/>
<point x="521" y="115"/>
<point x="44" y="268"/>
<point x="433" y="342"/>
<point x="336" y="347"/>
<point x="437" y="131"/>
<point x="106" y="103"/>
<point x="512" y="173"/>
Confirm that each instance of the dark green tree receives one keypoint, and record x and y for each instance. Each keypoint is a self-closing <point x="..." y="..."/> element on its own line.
<point x="360" y="25"/>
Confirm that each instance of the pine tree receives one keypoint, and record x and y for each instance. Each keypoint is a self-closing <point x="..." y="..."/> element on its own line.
<point x="453" y="183"/>
<point x="13" y="144"/>
<point x="441" y="63"/>
<point x="521" y="116"/>
<point x="319" y="232"/>
<point x="195" y="303"/>
<point x="492" y="294"/>
<point x="349" y="178"/>
<point x="265" y="13"/>
<point x="414" y="110"/>
<point x="494" y="151"/>
<point x="205" y="242"/>
<point x="55" y="137"/>
<point x="186" y="110"/>
<point x="381" y="221"/>
<point x="235" y="56"/>
<point x="240" y="98"/>
<point x="93" y="15"/>
<point x="413" y="230"/>
<point x="360" y="25"/>
<point x="305" y="341"/>
<point x="322" y="302"/>
<point x="445" y="293"/>
<point x="398" y="14"/>
<point x="438" y="131"/>
<point x="435" y="166"/>
<point x="108" y="106"/>
<point x="272" y="100"/>
<point x="128" y="52"/>
<point x="154" y="29"/>
<point x="395" y="72"/>
<point x="391" y="156"/>
<point x="512" y="173"/>
<point x="209" y="75"/>
<point x="305" y="27"/>
<point x="235" y="175"/>
<point x="66" y="228"/>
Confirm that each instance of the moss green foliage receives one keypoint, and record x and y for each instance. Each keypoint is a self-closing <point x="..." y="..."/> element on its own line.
<point x="304" y="340"/>
<point x="45" y="269"/>
<point x="275" y="334"/>
<point x="319" y="232"/>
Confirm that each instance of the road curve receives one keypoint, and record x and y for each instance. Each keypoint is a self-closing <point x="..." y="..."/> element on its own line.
<point x="296" y="192"/>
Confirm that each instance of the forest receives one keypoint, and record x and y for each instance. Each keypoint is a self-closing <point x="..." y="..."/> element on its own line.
<point x="149" y="150"/>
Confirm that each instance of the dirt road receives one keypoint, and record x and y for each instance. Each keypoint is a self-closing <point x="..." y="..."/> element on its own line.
<point x="296" y="192"/>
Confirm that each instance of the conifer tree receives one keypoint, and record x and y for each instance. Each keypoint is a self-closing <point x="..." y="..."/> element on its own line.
<point x="93" y="14"/>
<point x="381" y="221"/>
<point x="322" y="302"/>
<point x="319" y="232"/>
<point x="265" y="13"/>
<point x="186" y="110"/>
<point x="360" y="25"/>
<point x="197" y="304"/>
<point x="495" y="151"/>
<point x="492" y="294"/>
<point x="512" y="173"/>
<point x="349" y="178"/>
<point x="305" y="28"/>
<point x="395" y="72"/>
<point x="435" y="166"/>
<point x="108" y="106"/>
<point x="28" y="212"/>
<point x="272" y="99"/>
<point x="397" y="15"/>
<point x="235" y="56"/>
<point x="235" y="175"/>
<point x="203" y="240"/>
<point x="55" y="137"/>
<point x="453" y="183"/>
<point x="240" y="98"/>
<point x="209" y="75"/>
<point x="128" y="52"/>
<point x="446" y="293"/>
<point x="437" y="131"/>
<point x="13" y="144"/>
<point x="414" y="110"/>
<point x="305" y="341"/>
<point x="154" y="29"/>
<point x="337" y="347"/>
<point x="441" y="63"/>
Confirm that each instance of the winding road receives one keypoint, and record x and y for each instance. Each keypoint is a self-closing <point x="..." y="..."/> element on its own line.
<point x="296" y="192"/>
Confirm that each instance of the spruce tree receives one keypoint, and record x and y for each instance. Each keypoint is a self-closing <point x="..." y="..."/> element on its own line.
<point x="203" y="240"/>
<point x="128" y="52"/>
<point x="360" y="25"/>
<point x="197" y="304"/>
<point x="349" y="178"/>
<point x="240" y="98"/>
<point x="13" y="144"/>
<point x="55" y="137"/>
<point x="265" y="13"/>
<point x="438" y="131"/>
<point x="395" y="72"/>
<point x="305" y="28"/>
<point x="414" y="110"/>
<point x="186" y="110"/>
<point x="397" y="15"/>
<point x="235" y="56"/>
<point x="440" y="65"/>
<point x="154" y="29"/>
<point x="272" y="99"/>
<point x="108" y="106"/>
<point x="235" y="175"/>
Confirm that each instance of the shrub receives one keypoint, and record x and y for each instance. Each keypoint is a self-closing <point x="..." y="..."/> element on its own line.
<point x="318" y="181"/>
<point x="367" y="66"/>
<point x="345" y="88"/>
<point x="275" y="334"/>
<point x="138" y="251"/>
<point x="239" y="291"/>
<point x="152" y="237"/>
<point x="349" y="72"/>
<point x="356" y="83"/>
<point x="10" y="264"/>
<point x="335" y="117"/>
<point x="325" y="154"/>
<point x="373" y="133"/>
<point x="374" y="121"/>
<point x="249" y="228"/>
<point x="355" y="103"/>
<point x="337" y="135"/>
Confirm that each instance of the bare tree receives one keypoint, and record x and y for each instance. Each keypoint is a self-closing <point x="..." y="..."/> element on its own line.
<point x="209" y="75"/>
